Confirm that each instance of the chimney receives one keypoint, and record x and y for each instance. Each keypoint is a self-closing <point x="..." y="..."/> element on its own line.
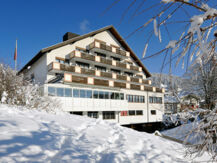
<point x="69" y="35"/>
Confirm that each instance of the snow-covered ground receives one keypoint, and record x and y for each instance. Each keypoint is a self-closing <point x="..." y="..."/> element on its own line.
<point x="36" y="136"/>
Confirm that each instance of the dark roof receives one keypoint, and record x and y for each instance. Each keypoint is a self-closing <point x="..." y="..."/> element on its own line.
<point x="110" y="28"/>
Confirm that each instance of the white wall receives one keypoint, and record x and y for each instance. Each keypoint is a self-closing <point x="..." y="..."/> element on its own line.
<point x="39" y="69"/>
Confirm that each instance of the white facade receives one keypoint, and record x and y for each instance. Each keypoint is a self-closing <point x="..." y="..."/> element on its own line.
<point x="145" y="112"/>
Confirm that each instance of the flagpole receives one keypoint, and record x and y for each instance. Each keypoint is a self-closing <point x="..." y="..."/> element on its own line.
<point x="16" y="58"/>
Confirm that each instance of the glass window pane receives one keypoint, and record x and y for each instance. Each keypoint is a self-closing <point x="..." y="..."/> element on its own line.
<point x="108" y="115"/>
<point x="89" y="94"/>
<point x="95" y="94"/>
<point x="51" y="91"/>
<point x="101" y="95"/>
<point x="131" y="112"/>
<point x="134" y="98"/>
<point x="153" y="112"/>
<point x="60" y="92"/>
<point x="121" y="96"/>
<point x="82" y="93"/>
<point x="117" y="96"/>
<point x="92" y="114"/>
<point x="112" y="95"/>
<point x="106" y="95"/>
<point x="76" y="93"/>
<point x="68" y="92"/>
<point x="139" y="112"/>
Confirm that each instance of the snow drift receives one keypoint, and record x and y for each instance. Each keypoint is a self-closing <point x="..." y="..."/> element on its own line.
<point x="37" y="136"/>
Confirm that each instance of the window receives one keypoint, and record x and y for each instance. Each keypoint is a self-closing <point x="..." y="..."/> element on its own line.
<point x="95" y="94"/>
<point x="32" y="77"/>
<point x="60" y="92"/>
<point x="153" y="112"/>
<point x="82" y="93"/>
<point x="76" y="113"/>
<point x="117" y="96"/>
<point x="128" y="73"/>
<point x="137" y="99"/>
<point x="156" y="100"/>
<point x="68" y="92"/>
<point x="131" y="112"/>
<point x="81" y="64"/>
<point x="108" y="115"/>
<point x="116" y="71"/>
<point x="134" y="99"/>
<point x="51" y="91"/>
<point x="76" y="93"/>
<point x="100" y="68"/>
<point x="60" y="61"/>
<point x="141" y="99"/>
<point x="121" y="96"/>
<point x="100" y="54"/>
<point x="115" y="58"/>
<point x="106" y="95"/>
<point x="151" y="99"/>
<point x="101" y="95"/>
<point x="112" y="95"/>
<point x="139" y="112"/>
<point x="123" y="113"/>
<point x="89" y="94"/>
<point x="92" y="114"/>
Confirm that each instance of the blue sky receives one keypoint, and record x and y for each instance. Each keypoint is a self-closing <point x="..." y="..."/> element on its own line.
<point x="42" y="23"/>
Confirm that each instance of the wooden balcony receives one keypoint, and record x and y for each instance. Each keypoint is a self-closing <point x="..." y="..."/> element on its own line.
<point x="160" y="90"/>
<point x="135" y="87"/>
<point x="87" y="71"/>
<point x="121" y="65"/>
<point x="134" y="68"/>
<point x="82" y="55"/>
<point x="107" y="83"/>
<point x="135" y="80"/>
<point x="119" y="85"/>
<point x="105" y="61"/>
<point x="110" y="62"/>
<point x="56" y="67"/>
<point x="113" y="49"/>
<point x="148" y="82"/>
<point x="106" y="74"/>
<point x="121" y="77"/>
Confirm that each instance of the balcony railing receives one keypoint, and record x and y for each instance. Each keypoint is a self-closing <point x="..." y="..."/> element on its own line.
<point x="56" y="67"/>
<point x="82" y="55"/>
<point x="78" y="54"/>
<point x="103" y="46"/>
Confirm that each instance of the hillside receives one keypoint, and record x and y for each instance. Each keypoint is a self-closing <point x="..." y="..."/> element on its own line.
<point x="36" y="136"/>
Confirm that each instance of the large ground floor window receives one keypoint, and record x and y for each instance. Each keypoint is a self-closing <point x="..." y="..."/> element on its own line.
<point x="76" y="112"/>
<point x="92" y="114"/>
<point x="108" y="115"/>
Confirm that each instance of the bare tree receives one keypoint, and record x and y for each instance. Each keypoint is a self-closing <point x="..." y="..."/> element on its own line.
<point x="202" y="79"/>
<point x="195" y="46"/>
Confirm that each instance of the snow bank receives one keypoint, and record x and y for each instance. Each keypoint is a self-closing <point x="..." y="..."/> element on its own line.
<point x="36" y="136"/>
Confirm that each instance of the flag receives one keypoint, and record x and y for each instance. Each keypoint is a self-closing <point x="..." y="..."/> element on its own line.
<point x="15" y="52"/>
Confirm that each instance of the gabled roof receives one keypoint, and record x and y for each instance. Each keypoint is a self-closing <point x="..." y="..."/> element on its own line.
<point x="110" y="28"/>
